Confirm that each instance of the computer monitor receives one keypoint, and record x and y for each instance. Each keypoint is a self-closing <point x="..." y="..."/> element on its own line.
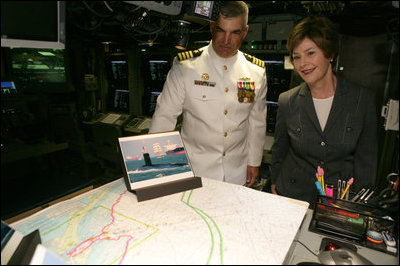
<point x="208" y="10"/>
<point x="33" y="24"/>
<point x="8" y="88"/>
<point x="121" y="101"/>
<point x="37" y="70"/>
<point x="153" y="101"/>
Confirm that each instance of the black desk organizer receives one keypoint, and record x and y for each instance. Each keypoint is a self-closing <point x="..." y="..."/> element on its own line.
<point x="350" y="221"/>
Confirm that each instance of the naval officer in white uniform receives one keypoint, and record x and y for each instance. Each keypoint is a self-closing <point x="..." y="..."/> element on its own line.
<point x="222" y="94"/>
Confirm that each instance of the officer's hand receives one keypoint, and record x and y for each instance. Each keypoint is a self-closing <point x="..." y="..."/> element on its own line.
<point x="252" y="175"/>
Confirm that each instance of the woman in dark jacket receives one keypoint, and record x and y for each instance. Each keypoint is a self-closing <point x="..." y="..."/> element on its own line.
<point x="326" y="121"/>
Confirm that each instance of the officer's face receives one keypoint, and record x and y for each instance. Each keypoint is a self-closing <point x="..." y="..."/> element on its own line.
<point x="227" y="35"/>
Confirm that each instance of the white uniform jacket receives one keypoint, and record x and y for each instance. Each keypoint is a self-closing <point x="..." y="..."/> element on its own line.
<point x="221" y="135"/>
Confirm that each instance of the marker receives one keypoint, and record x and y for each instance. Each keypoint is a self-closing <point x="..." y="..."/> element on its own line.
<point x="321" y="175"/>
<point x="347" y="188"/>
<point x="321" y="191"/>
<point x="329" y="191"/>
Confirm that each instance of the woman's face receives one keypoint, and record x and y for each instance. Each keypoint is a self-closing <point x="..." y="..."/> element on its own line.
<point x="310" y="62"/>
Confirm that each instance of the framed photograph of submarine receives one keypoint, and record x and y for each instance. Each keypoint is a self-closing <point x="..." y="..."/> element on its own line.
<point x="156" y="165"/>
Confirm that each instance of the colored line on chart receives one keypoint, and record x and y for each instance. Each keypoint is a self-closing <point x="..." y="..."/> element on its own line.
<point x="79" y="249"/>
<point x="203" y="216"/>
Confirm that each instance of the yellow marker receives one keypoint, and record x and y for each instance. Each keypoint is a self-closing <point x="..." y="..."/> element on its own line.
<point x="320" y="174"/>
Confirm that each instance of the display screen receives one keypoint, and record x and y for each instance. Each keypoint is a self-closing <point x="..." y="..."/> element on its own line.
<point x="121" y="100"/>
<point x="203" y="8"/>
<point x="33" y="24"/>
<point x="119" y="69"/>
<point x="38" y="66"/>
<point x="8" y="88"/>
<point x="159" y="70"/>
<point x="153" y="101"/>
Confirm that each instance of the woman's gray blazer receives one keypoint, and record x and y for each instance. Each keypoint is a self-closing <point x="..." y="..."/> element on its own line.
<point x="346" y="148"/>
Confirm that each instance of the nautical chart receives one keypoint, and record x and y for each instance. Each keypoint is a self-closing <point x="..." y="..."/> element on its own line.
<point x="219" y="223"/>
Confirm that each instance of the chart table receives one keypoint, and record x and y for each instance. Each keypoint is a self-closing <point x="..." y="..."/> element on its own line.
<point x="219" y="223"/>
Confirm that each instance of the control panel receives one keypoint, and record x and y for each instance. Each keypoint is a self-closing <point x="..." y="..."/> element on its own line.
<point x="166" y="7"/>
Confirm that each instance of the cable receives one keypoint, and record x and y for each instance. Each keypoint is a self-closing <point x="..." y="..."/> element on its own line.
<point x="91" y="28"/>
<point x="200" y="29"/>
<point x="95" y="12"/>
<point x="307" y="248"/>
<point x="108" y="6"/>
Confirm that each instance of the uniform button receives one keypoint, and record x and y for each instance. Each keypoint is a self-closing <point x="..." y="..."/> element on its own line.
<point x="223" y="154"/>
<point x="292" y="181"/>
<point x="348" y="129"/>
<point x="323" y="144"/>
<point x="225" y="112"/>
<point x="225" y="134"/>
<point x="225" y="67"/>
<point x="204" y="96"/>
<point x="226" y="89"/>
<point x="298" y="130"/>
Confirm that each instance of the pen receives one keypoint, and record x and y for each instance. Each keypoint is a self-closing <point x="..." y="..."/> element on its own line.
<point x="370" y="194"/>
<point x="347" y="188"/>
<point x="343" y="186"/>
<point x="346" y="197"/>
<point x="339" y="186"/>
<point x="359" y="193"/>
<point x="363" y="195"/>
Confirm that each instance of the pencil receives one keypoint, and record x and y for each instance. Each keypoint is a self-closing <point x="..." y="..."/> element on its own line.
<point x="347" y="188"/>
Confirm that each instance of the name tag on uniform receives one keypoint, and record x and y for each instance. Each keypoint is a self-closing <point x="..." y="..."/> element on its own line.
<point x="246" y="91"/>
<point x="204" y="83"/>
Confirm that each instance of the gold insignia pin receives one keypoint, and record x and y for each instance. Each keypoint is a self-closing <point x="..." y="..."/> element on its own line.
<point x="244" y="78"/>
<point x="205" y="76"/>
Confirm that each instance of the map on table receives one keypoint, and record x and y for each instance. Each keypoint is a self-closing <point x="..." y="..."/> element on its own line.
<point x="219" y="223"/>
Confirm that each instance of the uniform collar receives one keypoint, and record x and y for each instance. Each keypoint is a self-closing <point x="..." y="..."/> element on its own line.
<point x="220" y="61"/>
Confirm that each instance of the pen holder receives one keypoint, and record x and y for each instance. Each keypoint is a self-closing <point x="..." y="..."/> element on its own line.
<point x="353" y="222"/>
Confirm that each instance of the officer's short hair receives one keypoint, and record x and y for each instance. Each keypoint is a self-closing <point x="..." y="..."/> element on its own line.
<point x="320" y="30"/>
<point x="231" y="9"/>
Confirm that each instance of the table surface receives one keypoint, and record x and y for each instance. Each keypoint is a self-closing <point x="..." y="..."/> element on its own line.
<point x="219" y="223"/>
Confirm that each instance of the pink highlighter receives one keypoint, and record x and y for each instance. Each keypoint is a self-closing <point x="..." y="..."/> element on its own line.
<point x="329" y="191"/>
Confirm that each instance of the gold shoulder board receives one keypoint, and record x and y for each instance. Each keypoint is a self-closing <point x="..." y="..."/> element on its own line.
<point x="189" y="54"/>
<point x="254" y="60"/>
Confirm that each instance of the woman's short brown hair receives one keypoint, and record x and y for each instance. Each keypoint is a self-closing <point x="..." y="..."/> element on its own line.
<point x="320" y="30"/>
